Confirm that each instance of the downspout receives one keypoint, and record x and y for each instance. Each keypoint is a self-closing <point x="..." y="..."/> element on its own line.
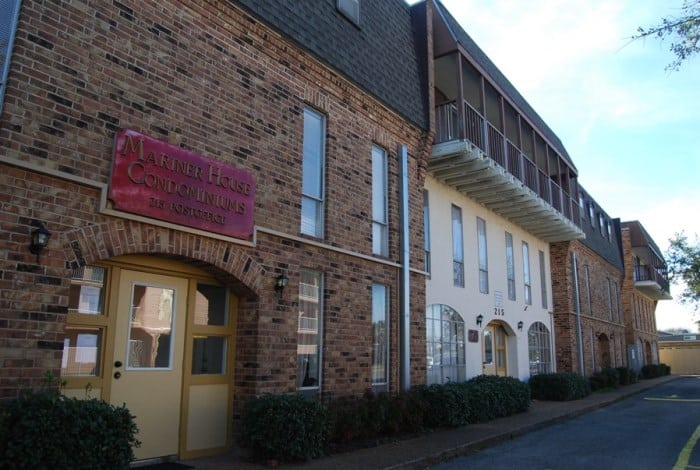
<point x="405" y="273"/>
<point x="577" y="306"/>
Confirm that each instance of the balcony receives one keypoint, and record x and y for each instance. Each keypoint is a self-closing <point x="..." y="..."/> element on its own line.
<point x="475" y="158"/>
<point x="650" y="271"/>
<point x="652" y="282"/>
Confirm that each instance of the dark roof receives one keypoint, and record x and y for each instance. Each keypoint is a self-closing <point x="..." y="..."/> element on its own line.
<point x="460" y="36"/>
<point x="609" y="249"/>
<point x="379" y="55"/>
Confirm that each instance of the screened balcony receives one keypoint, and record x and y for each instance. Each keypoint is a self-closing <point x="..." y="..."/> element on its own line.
<point x="650" y="271"/>
<point x="491" y="152"/>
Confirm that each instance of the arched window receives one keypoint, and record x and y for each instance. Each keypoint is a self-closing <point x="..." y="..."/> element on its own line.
<point x="539" y="345"/>
<point x="445" y="344"/>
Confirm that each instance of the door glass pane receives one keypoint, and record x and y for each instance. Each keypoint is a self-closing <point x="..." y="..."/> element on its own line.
<point x="81" y="352"/>
<point x="209" y="355"/>
<point x="211" y="305"/>
<point x="150" y="327"/>
<point x="86" y="290"/>
<point x="488" y="347"/>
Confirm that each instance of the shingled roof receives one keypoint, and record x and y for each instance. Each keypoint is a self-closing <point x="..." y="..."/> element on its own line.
<point x="378" y="55"/>
<point x="461" y="37"/>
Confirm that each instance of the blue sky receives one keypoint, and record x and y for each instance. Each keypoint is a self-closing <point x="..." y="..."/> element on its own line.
<point x="631" y="128"/>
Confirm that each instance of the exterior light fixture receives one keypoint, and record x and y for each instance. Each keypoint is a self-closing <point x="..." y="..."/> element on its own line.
<point x="520" y="326"/>
<point x="479" y="319"/>
<point x="281" y="282"/>
<point x="40" y="238"/>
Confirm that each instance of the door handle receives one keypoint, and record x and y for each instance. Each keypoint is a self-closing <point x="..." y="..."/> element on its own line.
<point x="117" y="375"/>
<point x="117" y="363"/>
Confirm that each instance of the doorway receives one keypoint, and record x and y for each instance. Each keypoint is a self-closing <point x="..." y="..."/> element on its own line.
<point x="161" y="341"/>
<point x="494" y="350"/>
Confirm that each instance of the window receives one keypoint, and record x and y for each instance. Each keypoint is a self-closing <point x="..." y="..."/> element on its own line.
<point x="610" y="299"/>
<point x="309" y="332"/>
<point x="210" y="328"/>
<point x="457" y="247"/>
<point x="8" y="26"/>
<point x="380" y="335"/>
<point x="601" y="224"/>
<point x="540" y="349"/>
<point x="510" y="266"/>
<point x="426" y="225"/>
<point x="350" y="9"/>
<point x="445" y="345"/>
<point x="312" y="174"/>
<point x="526" y="274"/>
<point x="483" y="256"/>
<point x="380" y="244"/>
<point x="588" y="289"/>
<point x="543" y="280"/>
<point x="608" y="225"/>
<point x="591" y="214"/>
<point x="82" y="346"/>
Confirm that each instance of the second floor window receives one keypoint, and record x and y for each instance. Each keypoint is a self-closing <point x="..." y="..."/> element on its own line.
<point x="526" y="274"/>
<point x="380" y="242"/>
<point x="483" y="256"/>
<point x="510" y="266"/>
<point x="312" y="174"/>
<point x="457" y="247"/>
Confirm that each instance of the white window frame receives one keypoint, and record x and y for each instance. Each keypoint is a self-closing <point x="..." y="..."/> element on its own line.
<point x="539" y="349"/>
<point x="543" y="280"/>
<point x="8" y="26"/>
<point x="482" y="250"/>
<point x="527" y="281"/>
<point x="457" y="247"/>
<point x="380" y="335"/>
<point x="380" y="209"/>
<point x="310" y="294"/>
<point x="510" y="266"/>
<point x="446" y="353"/>
<point x="313" y="171"/>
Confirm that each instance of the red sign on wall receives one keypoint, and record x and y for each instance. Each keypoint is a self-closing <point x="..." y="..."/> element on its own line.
<point x="163" y="181"/>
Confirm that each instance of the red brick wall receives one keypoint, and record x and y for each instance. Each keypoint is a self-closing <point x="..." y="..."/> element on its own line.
<point x="209" y="78"/>
<point x="602" y="333"/>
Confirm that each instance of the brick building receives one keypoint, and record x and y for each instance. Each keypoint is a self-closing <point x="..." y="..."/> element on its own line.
<point x="233" y="193"/>
<point x="587" y="278"/>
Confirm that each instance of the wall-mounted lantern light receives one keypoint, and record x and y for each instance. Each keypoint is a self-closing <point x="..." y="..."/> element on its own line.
<point x="39" y="240"/>
<point x="520" y="326"/>
<point x="479" y="319"/>
<point x="281" y="282"/>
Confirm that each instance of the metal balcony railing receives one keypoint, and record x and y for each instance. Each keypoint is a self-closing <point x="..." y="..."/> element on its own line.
<point x="504" y="152"/>
<point x="647" y="273"/>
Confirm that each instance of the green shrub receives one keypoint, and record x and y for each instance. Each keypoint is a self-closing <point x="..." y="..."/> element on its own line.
<point x="493" y="397"/>
<point x="606" y="378"/>
<point x="651" y="371"/>
<point x="559" y="386"/>
<point x="347" y="419"/>
<point x="627" y="376"/>
<point x="284" y="427"/>
<point x="43" y="430"/>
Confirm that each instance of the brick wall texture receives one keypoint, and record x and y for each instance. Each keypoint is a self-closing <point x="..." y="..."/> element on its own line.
<point x="207" y="77"/>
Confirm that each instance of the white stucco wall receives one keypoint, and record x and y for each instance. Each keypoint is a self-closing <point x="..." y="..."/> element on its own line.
<point x="467" y="300"/>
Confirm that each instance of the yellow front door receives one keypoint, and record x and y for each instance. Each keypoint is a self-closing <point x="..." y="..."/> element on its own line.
<point x="494" y="350"/>
<point x="147" y="363"/>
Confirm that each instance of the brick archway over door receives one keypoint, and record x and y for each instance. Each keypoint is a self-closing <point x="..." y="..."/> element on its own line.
<point x="93" y="243"/>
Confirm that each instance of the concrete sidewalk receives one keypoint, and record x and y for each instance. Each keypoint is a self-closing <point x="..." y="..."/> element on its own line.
<point x="430" y="448"/>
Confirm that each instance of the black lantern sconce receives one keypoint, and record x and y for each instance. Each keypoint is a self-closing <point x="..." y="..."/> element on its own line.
<point x="40" y="238"/>
<point x="479" y="319"/>
<point x="520" y="326"/>
<point x="281" y="282"/>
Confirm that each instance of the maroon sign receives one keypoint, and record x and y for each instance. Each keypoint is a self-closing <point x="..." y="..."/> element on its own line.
<point x="159" y="180"/>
